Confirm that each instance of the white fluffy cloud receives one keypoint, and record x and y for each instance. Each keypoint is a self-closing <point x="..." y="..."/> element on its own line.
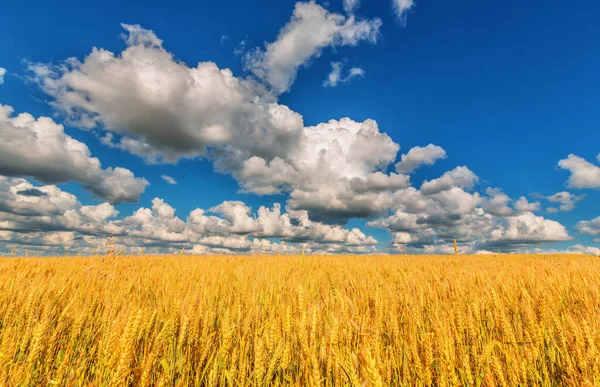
<point x="523" y="205"/>
<point x="418" y="156"/>
<point x="311" y="29"/>
<point x="164" y="110"/>
<point x="335" y="77"/>
<point x="169" y="179"/>
<point x="2" y="72"/>
<point x="565" y="199"/>
<point x="149" y="104"/>
<point x="591" y="250"/>
<point x="47" y="217"/>
<point x="401" y="7"/>
<point x="497" y="203"/>
<point x="589" y="227"/>
<point x="329" y="155"/>
<point x="40" y="148"/>
<point x="25" y="208"/>
<point x="336" y="171"/>
<point x="431" y="222"/>
<point x="583" y="173"/>
<point x="461" y="177"/>
<point x="528" y="228"/>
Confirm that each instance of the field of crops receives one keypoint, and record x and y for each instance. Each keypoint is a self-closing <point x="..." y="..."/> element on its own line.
<point x="504" y="320"/>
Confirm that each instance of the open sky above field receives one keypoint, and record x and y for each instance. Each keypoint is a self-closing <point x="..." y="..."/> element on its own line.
<point x="339" y="126"/>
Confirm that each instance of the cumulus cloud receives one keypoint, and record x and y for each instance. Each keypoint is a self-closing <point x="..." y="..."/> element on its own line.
<point x="429" y="223"/>
<point x="337" y="171"/>
<point x="169" y="179"/>
<point x="335" y="76"/>
<point x="401" y="7"/>
<point x="2" y="72"/>
<point x="590" y="250"/>
<point x="461" y="177"/>
<point x="565" y="199"/>
<point x="149" y="104"/>
<point x="497" y="203"/>
<point x="161" y="109"/>
<point x="419" y="156"/>
<point x="444" y="216"/>
<point x="25" y="208"/>
<point x="528" y="228"/>
<point x="47" y="217"/>
<point x="583" y="173"/>
<point x="160" y="105"/>
<point x="523" y="205"/>
<point x="40" y="148"/>
<point x="311" y="29"/>
<point x="589" y="227"/>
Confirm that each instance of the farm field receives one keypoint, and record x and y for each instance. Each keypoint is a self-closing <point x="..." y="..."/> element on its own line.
<point x="493" y="320"/>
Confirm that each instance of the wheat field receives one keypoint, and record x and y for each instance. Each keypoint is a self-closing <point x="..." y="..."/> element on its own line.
<point x="503" y="320"/>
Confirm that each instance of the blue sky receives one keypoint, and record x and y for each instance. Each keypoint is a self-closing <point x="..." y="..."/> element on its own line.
<point x="506" y="92"/>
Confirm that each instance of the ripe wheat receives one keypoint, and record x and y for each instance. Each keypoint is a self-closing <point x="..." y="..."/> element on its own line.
<point x="300" y="320"/>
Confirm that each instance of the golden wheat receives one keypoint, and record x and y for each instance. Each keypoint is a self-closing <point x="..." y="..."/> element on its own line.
<point x="300" y="320"/>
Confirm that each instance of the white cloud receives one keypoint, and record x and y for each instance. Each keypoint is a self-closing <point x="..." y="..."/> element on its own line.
<point x="401" y="7"/>
<point x="332" y="171"/>
<point x="583" y="173"/>
<point x="224" y="39"/>
<point x="523" y="205"/>
<point x="528" y="228"/>
<point x="169" y="179"/>
<point x="47" y="217"/>
<point x="590" y="250"/>
<point x="589" y="227"/>
<point x="234" y="122"/>
<point x="311" y="29"/>
<point x="238" y="215"/>
<point x="418" y="156"/>
<point x="356" y="72"/>
<point x="351" y="5"/>
<point x="567" y="201"/>
<point x="461" y="177"/>
<point x="335" y="76"/>
<point x="240" y="48"/>
<point x="337" y="171"/>
<point x="497" y="203"/>
<point x="430" y="223"/>
<point x="40" y="148"/>
<point x="26" y="208"/>
<point x="444" y="216"/>
<point x="2" y="72"/>
<point x="143" y="91"/>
